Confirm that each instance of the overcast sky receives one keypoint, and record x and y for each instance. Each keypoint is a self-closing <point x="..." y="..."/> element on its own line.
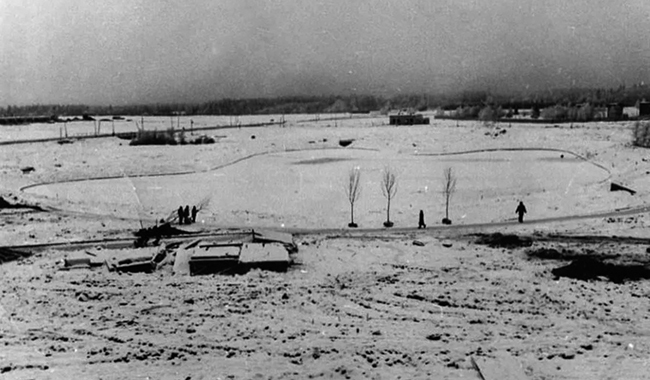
<point x="143" y="51"/>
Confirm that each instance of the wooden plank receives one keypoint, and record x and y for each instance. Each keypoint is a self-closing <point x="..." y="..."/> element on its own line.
<point x="230" y="243"/>
<point x="503" y="367"/>
<point x="216" y="252"/>
<point x="85" y="258"/>
<point x="125" y="257"/>
<point x="272" y="236"/>
<point x="192" y="243"/>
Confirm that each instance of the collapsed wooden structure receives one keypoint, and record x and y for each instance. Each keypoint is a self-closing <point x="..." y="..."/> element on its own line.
<point x="266" y="250"/>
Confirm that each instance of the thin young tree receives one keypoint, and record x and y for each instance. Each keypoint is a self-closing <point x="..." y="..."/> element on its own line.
<point x="388" y="189"/>
<point x="353" y="190"/>
<point x="448" y="189"/>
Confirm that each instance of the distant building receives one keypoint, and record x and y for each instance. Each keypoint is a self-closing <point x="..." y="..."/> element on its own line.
<point x="644" y="109"/>
<point x="614" y="111"/>
<point x="631" y="112"/>
<point x="408" y="119"/>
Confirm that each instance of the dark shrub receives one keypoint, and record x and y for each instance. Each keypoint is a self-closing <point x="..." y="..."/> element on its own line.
<point x="154" y="138"/>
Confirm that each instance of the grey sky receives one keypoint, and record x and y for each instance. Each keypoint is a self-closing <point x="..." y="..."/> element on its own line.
<point x="126" y="51"/>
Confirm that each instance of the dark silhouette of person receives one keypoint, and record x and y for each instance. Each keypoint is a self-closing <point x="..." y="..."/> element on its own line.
<point x="521" y="210"/>
<point x="180" y="214"/>
<point x="421" y="220"/>
<point x="187" y="215"/>
<point x="194" y="212"/>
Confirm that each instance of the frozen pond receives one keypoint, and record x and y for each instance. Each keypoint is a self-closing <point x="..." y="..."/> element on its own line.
<point x="306" y="188"/>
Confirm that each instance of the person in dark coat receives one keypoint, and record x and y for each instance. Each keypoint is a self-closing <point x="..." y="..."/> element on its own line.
<point x="421" y="220"/>
<point x="180" y="215"/>
<point x="187" y="215"/>
<point x="521" y="210"/>
<point x="194" y="212"/>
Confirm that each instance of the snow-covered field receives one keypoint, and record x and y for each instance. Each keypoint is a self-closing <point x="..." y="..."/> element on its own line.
<point x="359" y="305"/>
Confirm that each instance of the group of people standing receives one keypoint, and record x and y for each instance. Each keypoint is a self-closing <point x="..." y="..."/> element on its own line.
<point x="184" y="216"/>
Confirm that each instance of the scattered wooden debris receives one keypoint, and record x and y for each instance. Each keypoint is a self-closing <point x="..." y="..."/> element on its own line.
<point x="155" y="232"/>
<point x="136" y="260"/>
<point x="83" y="260"/>
<point x="266" y="250"/>
<point x="118" y="260"/>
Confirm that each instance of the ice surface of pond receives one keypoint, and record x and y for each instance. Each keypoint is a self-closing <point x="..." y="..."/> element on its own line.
<point x="309" y="185"/>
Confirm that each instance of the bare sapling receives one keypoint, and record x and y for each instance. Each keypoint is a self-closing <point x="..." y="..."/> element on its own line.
<point x="448" y="189"/>
<point x="388" y="189"/>
<point x="353" y="191"/>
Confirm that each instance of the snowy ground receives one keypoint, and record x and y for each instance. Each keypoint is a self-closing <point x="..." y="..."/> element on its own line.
<point x="372" y="305"/>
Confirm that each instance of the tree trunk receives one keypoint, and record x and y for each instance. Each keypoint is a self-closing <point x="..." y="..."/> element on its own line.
<point x="388" y="211"/>
<point x="351" y="213"/>
<point x="447" y="208"/>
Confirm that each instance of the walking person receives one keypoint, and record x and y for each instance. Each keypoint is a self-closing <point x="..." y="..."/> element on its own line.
<point x="521" y="210"/>
<point x="187" y="214"/>
<point x="421" y="220"/>
<point x="194" y="212"/>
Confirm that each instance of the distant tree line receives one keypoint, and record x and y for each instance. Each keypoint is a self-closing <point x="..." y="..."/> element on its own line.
<point x="467" y="104"/>
<point x="626" y="96"/>
<point x="259" y="106"/>
<point x="494" y="113"/>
